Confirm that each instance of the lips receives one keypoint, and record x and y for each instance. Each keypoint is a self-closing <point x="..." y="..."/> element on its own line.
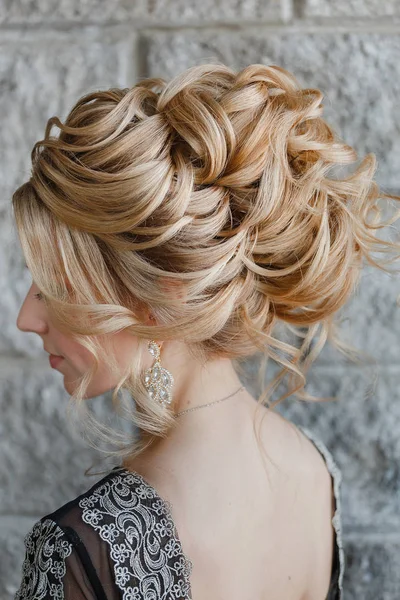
<point x="55" y="360"/>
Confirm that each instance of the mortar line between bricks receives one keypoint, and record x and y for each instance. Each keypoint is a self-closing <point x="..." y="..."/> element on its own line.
<point x="372" y="535"/>
<point x="316" y="25"/>
<point x="294" y="26"/>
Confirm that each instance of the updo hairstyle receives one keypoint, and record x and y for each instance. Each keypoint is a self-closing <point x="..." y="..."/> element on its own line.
<point x="208" y="200"/>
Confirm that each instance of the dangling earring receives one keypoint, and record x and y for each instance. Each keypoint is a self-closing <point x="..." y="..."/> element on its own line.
<point x="158" y="381"/>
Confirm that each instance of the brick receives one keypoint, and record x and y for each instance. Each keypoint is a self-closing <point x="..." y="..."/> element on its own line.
<point x="353" y="8"/>
<point x="140" y="12"/>
<point x="75" y="11"/>
<point x="191" y="11"/>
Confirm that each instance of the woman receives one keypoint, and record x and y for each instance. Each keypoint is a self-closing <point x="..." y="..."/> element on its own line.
<point x="193" y="217"/>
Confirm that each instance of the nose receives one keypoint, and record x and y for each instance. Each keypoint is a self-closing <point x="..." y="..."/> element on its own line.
<point x="30" y="317"/>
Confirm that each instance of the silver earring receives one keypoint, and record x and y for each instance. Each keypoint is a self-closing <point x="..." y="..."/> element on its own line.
<point x="158" y="381"/>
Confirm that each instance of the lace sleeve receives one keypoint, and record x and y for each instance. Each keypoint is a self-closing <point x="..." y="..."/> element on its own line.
<point x="53" y="567"/>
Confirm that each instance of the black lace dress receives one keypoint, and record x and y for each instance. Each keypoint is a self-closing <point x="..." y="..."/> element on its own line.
<point x="118" y="541"/>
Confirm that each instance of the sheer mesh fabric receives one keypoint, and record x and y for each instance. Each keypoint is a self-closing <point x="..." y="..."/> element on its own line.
<point x="118" y="541"/>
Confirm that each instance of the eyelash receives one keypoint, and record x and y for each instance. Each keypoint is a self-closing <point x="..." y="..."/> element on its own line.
<point x="38" y="296"/>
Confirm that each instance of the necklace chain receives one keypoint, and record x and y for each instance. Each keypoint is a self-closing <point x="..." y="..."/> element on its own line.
<point x="210" y="403"/>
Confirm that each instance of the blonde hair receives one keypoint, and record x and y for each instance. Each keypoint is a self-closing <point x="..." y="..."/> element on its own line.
<point x="216" y="180"/>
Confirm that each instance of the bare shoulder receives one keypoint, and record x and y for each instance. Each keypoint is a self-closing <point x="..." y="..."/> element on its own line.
<point x="295" y="447"/>
<point x="300" y="445"/>
<point x="318" y="502"/>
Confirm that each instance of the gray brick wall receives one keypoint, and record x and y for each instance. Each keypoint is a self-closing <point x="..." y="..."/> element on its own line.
<point x="51" y="53"/>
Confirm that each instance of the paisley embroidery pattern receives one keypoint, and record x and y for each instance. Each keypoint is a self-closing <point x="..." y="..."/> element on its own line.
<point x="336" y="519"/>
<point x="145" y="549"/>
<point x="44" y="566"/>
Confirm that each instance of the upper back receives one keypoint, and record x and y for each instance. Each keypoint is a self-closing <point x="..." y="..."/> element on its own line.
<point x="260" y="526"/>
<point x="243" y="532"/>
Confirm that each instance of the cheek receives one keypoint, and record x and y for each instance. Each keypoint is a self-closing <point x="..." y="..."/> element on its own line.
<point x="75" y="354"/>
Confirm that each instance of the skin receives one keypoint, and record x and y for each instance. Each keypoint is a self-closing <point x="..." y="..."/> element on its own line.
<point x="193" y="385"/>
<point x="196" y="468"/>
